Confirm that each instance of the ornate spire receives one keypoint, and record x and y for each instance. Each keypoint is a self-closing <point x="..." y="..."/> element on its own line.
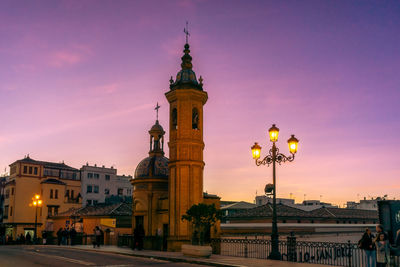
<point x="186" y="78"/>
<point x="186" y="59"/>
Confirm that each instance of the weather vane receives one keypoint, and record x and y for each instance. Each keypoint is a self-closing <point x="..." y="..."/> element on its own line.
<point x="186" y="31"/>
<point x="157" y="108"/>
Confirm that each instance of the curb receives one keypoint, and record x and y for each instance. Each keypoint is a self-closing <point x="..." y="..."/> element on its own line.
<point x="170" y="259"/>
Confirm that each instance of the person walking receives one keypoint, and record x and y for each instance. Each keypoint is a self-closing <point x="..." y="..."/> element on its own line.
<point x="138" y="236"/>
<point x="97" y="234"/>
<point x="28" y="238"/>
<point x="64" y="236"/>
<point x="72" y="236"/>
<point x="382" y="251"/>
<point x="366" y="244"/>
<point x="59" y="236"/>
<point x="379" y="230"/>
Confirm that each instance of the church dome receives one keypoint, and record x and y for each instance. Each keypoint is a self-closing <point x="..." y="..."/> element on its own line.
<point x="157" y="128"/>
<point x="152" y="167"/>
<point x="155" y="165"/>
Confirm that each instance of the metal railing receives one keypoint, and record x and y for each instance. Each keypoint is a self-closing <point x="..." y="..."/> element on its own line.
<point x="326" y="253"/>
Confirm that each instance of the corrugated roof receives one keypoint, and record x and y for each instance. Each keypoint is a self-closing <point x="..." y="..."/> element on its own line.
<point x="118" y="209"/>
<point x="239" y="205"/>
<point x="323" y="212"/>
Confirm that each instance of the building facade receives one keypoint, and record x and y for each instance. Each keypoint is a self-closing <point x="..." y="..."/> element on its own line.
<point x="100" y="184"/>
<point x="57" y="184"/>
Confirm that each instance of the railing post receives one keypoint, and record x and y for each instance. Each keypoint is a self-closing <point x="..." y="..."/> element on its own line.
<point x="245" y="247"/>
<point x="349" y="252"/>
<point x="291" y="247"/>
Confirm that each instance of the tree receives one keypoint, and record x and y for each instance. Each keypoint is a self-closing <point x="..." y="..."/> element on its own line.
<point x="202" y="217"/>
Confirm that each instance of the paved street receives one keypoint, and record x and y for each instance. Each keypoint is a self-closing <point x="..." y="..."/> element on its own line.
<point x="14" y="256"/>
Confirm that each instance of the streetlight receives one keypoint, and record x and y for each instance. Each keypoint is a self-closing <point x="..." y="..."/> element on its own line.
<point x="36" y="202"/>
<point x="273" y="157"/>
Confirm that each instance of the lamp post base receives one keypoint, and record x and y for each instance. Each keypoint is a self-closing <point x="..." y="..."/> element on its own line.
<point x="275" y="255"/>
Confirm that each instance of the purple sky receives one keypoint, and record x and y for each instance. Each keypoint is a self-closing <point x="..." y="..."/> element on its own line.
<point x="79" y="81"/>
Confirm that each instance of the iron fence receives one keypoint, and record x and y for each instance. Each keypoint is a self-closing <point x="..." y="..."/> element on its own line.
<point x="326" y="253"/>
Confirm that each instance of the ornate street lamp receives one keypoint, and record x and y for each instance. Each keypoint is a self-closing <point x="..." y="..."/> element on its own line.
<point x="36" y="202"/>
<point x="273" y="157"/>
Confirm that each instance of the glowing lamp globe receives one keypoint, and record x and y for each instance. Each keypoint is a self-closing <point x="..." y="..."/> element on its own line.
<point x="293" y="143"/>
<point x="256" y="151"/>
<point x="273" y="133"/>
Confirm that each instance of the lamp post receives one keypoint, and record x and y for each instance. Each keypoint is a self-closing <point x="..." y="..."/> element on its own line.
<point x="272" y="158"/>
<point x="36" y="202"/>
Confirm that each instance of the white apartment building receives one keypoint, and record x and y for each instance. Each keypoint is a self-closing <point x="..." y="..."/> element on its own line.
<point x="100" y="183"/>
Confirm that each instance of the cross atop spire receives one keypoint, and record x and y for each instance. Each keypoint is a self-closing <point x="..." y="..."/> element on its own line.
<point x="186" y="31"/>
<point x="157" y="108"/>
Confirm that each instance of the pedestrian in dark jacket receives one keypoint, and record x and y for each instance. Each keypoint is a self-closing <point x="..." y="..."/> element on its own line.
<point x="72" y="236"/>
<point x="64" y="236"/>
<point x="59" y="236"/>
<point x="97" y="234"/>
<point x="138" y="237"/>
<point x="28" y="238"/>
<point x="366" y="244"/>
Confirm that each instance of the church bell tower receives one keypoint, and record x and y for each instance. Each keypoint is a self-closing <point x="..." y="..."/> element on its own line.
<point x="186" y="98"/>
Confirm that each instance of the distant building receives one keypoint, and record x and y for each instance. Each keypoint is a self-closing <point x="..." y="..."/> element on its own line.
<point x="323" y="220"/>
<point x="235" y="207"/>
<point x="3" y="181"/>
<point x="364" y="204"/>
<point x="307" y="205"/>
<point x="58" y="185"/>
<point x="113" y="219"/>
<point x="262" y="200"/>
<point x="101" y="183"/>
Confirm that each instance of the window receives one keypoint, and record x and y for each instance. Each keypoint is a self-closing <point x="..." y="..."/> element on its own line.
<point x="7" y="193"/>
<point x="51" y="193"/>
<point x="56" y="194"/>
<point x="120" y="191"/>
<point x="5" y="216"/>
<point x="174" y="119"/>
<point x="12" y="191"/>
<point x="89" y="189"/>
<point x="96" y="189"/>
<point x="11" y="211"/>
<point x="35" y="171"/>
<point x="107" y="191"/>
<point x="25" y="169"/>
<point x="67" y="193"/>
<point x="89" y="202"/>
<point x="52" y="210"/>
<point x="195" y="119"/>
<point x="13" y="170"/>
<point x="30" y="170"/>
<point x="95" y="202"/>
<point x="107" y="177"/>
<point x="90" y="175"/>
<point x="72" y="193"/>
<point x="96" y="175"/>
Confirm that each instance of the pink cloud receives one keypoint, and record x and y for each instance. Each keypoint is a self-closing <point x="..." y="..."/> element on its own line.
<point x="106" y="89"/>
<point x="64" y="58"/>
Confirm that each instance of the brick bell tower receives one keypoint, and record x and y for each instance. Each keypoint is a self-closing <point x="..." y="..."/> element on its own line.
<point x="186" y="98"/>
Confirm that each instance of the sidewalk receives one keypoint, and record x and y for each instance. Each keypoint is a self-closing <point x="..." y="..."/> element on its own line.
<point x="214" y="260"/>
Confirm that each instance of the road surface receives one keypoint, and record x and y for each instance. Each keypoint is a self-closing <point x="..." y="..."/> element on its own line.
<point x="15" y="256"/>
